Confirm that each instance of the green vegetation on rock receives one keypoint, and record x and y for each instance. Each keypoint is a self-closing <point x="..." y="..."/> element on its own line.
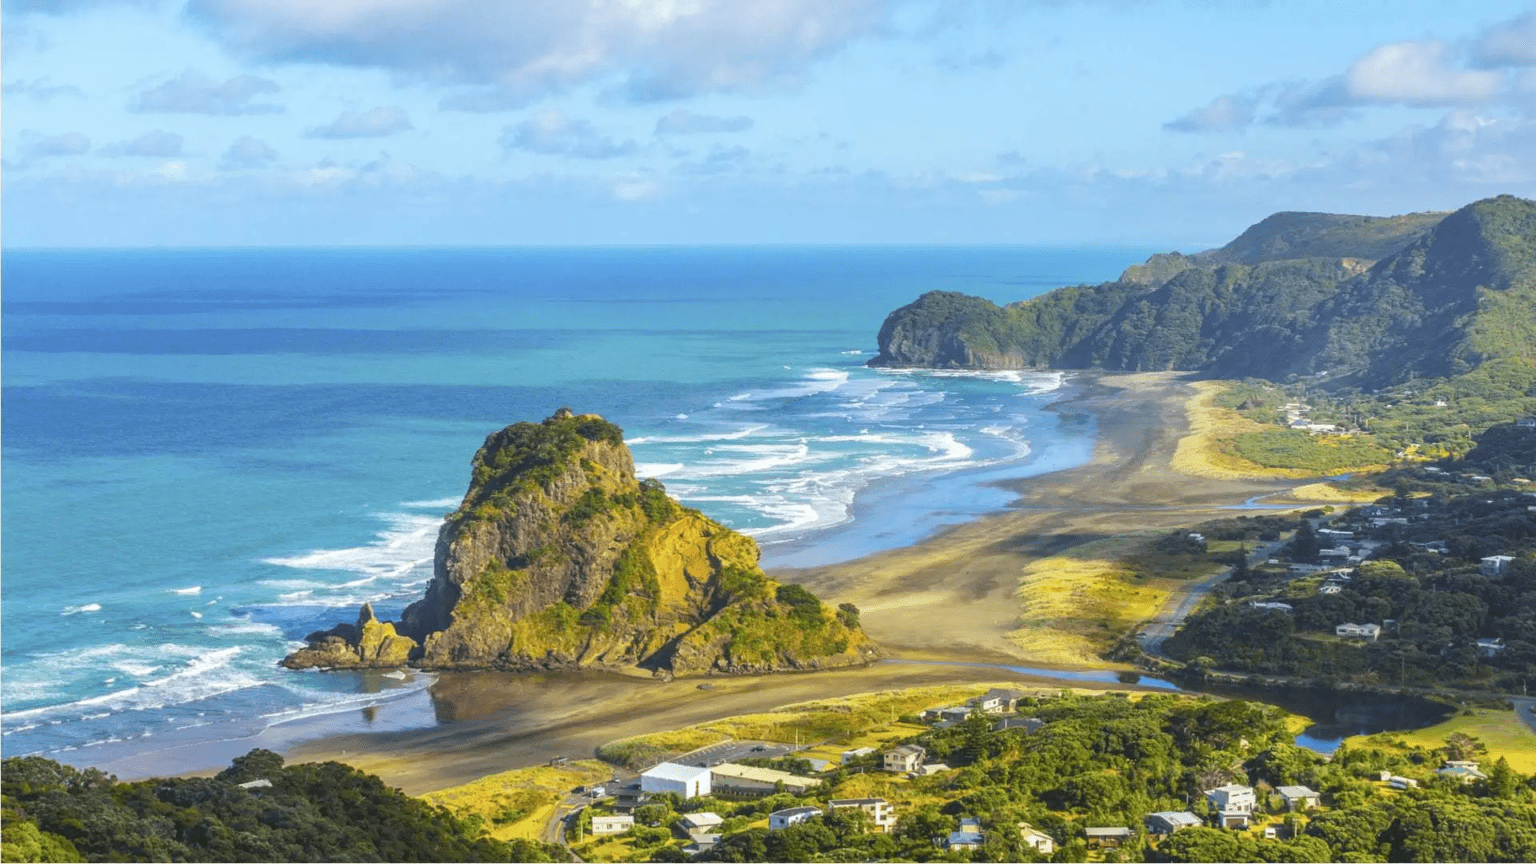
<point x="558" y="557"/>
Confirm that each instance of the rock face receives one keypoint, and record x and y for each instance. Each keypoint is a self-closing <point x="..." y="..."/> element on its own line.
<point x="559" y="558"/>
<point x="368" y="644"/>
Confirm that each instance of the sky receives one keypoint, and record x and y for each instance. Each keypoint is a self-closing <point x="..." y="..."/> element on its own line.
<point x="1161" y="123"/>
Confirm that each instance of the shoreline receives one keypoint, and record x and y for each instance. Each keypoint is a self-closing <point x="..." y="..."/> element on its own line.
<point x="949" y="601"/>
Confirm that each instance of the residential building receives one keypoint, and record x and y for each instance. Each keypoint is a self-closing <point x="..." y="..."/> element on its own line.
<point x="881" y="814"/>
<point x="1396" y="782"/>
<point x="1464" y="770"/>
<point x="1496" y="565"/>
<point x="1108" y="837"/>
<point x="1526" y="423"/>
<point x="1037" y="840"/>
<point x="603" y="826"/>
<point x="1282" y="607"/>
<point x="688" y="781"/>
<point x="932" y="768"/>
<point x="1233" y="804"/>
<point x="702" y="843"/>
<point x="1368" y="632"/>
<point x="1330" y="588"/>
<point x="905" y="759"/>
<point x="998" y="701"/>
<point x="1490" y="647"/>
<point x="747" y="781"/>
<point x="778" y="820"/>
<point x="968" y="837"/>
<point x="698" y="823"/>
<point x="1028" y="724"/>
<point x="850" y="755"/>
<point x="1169" y="821"/>
<point x="1298" y="797"/>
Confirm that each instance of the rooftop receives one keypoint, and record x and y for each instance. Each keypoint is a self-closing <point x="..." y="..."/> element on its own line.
<point x="674" y="771"/>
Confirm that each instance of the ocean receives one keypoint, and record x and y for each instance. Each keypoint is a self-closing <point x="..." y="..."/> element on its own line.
<point x="210" y="453"/>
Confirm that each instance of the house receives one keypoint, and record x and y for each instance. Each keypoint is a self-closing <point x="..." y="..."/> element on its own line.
<point x="905" y="759"/>
<point x="701" y="843"/>
<point x="698" y="823"/>
<point x="1464" y="770"/>
<point x="1298" y="797"/>
<point x="748" y="781"/>
<point x="1028" y="724"/>
<point x="263" y="783"/>
<point x="998" y="701"/>
<point x="1396" y="782"/>
<point x="1368" y="632"/>
<point x="1169" y="821"/>
<point x="1282" y="607"/>
<point x="954" y="714"/>
<point x="850" y="755"/>
<point x="628" y="797"/>
<point x="931" y="769"/>
<point x="1335" y="534"/>
<point x="1037" y="840"/>
<point x="1526" y="423"/>
<point x="1233" y="804"/>
<point x="1330" y="588"/>
<point x="968" y="837"/>
<point x="603" y="826"/>
<point x="1108" y="837"/>
<point x="778" y="820"/>
<point x="1490" y="648"/>
<point x="881" y="814"/>
<point x="1496" y="565"/>
<point x="688" y="781"/>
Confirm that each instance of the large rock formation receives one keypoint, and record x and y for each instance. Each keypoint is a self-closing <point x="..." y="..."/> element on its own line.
<point x="558" y="558"/>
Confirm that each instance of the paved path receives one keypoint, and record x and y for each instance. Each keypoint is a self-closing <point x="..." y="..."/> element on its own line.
<point x="1525" y="709"/>
<point x="1169" y="620"/>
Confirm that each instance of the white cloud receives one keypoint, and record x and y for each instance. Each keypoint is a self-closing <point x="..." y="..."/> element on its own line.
<point x="1222" y="114"/>
<point x="1511" y="43"/>
<point x="193" y="92"/>
<point x="511" y="52"/>
<point x="681" y="121"/>
<point x="40" y="89"/>
<point x="551" y="133"/>
<point x="248" y="152"/>
<point x="363" y="124"/>
<point x="158" y="143"/>
<point x="719" y="161"/>
<point x="67" y="144"/>
<point x="1418" y="73"/>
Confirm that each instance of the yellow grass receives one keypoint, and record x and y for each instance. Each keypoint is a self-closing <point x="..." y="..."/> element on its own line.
<point x="1076" y="604"/>
<point x="842" y="718"/>
<point x="527" y="795"/>
<point x="1204" y="451"/>
<point x="1313" y="493"/>
<point x="1501" y="731"/>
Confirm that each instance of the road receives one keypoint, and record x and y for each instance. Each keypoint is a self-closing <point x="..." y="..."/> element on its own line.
<point x="1525" y="709"/>
<point x="1167" y="622"/>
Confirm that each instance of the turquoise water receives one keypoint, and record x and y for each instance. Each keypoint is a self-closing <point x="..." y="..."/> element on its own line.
<point x="209" y="454"/>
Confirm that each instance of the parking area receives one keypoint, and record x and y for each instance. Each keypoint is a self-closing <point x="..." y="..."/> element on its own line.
<point x="730" y="751"/>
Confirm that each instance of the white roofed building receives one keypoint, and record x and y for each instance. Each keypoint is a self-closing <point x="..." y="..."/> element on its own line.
<point x="688" y="781"/>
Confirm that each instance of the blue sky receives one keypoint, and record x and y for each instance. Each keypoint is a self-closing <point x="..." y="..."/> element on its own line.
<point x="1165" y="123"/>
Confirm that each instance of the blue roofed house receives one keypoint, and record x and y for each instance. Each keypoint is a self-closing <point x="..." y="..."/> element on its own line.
<point x="969" y="836"/>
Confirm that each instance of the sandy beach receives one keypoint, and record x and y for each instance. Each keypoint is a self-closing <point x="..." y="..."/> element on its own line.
<point x="955" y="597"/>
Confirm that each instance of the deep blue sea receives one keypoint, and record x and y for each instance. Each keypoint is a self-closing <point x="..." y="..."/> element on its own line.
<point x="208" y="454"/>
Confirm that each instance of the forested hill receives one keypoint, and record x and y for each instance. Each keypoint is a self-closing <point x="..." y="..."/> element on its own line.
<point x="1357" y="300"/>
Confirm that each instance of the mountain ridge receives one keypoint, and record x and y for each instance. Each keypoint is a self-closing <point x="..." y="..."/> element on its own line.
<point x="1361" y="301"/>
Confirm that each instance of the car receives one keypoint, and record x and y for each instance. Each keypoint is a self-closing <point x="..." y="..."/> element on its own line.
<point x="759" y="749"/>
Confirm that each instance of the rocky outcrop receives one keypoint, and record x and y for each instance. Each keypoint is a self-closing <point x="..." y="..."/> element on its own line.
<point x="370" y="643"/>
<point x="559" y="557"/>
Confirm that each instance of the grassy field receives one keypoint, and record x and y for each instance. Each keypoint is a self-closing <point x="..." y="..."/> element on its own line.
<point x="1075" y="605"/>
<point x="1500" y="730"/>
<point x="519" y="803"/>
<point x="650" y="749"/>
<point x="1207" y="451"/>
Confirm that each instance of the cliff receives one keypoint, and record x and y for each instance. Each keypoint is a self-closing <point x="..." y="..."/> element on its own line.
<point x="1364" y="301"/>
<point x="559" y="558"/>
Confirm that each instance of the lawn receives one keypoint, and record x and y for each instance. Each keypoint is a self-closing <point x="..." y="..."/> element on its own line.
<point x="1500" y="730"/>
